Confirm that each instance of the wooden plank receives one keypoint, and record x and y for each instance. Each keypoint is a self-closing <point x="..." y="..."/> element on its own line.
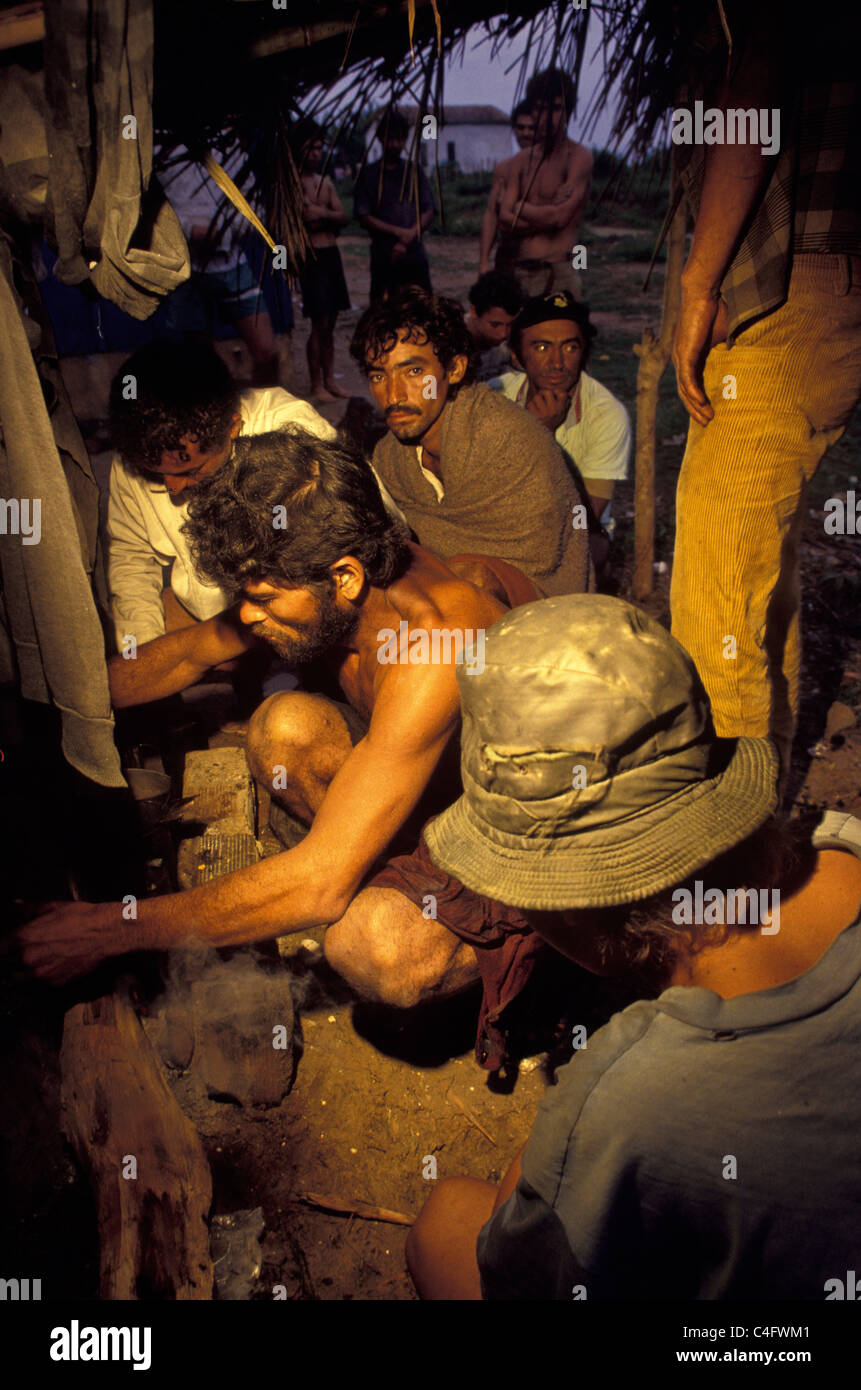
<point x="146" y="1164"/>
<point x="22" y="24"/>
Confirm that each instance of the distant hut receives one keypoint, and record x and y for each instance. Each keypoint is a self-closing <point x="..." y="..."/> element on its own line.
<point x="469" y="138"/>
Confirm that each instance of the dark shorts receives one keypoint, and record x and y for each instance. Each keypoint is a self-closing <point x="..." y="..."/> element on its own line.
<point x="504" y="942"/>
<point x="324" y="287"/>
<point x="233" y="294"/>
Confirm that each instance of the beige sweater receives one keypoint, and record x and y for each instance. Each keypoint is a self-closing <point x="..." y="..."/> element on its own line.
<point x="507" y="492"/>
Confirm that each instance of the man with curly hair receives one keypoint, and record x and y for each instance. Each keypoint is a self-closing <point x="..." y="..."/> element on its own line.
<point x="299" y="531"/>
<point x="175" y="414"/>
<point x="468" y="469"/>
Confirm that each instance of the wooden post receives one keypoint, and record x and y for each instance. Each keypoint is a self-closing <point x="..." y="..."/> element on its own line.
<point x="654" y="356"/>
<point x="147" y="1167"/>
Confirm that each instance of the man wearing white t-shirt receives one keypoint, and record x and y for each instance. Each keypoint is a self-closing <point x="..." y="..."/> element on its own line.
<point x="175" y="412"/>
<point x="550" y="341"/>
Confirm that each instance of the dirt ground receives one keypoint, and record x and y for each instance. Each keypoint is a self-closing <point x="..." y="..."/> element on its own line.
<point x="380" y="1102"/>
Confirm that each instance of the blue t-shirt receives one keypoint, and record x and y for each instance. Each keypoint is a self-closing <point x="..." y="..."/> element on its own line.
<point x="699" y="1147"/>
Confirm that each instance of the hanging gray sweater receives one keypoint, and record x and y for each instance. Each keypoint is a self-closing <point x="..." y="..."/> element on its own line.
<point x="507" y="492"/>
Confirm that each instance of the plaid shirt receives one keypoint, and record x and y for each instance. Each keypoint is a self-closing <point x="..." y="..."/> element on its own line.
<point x="810" y="203"/>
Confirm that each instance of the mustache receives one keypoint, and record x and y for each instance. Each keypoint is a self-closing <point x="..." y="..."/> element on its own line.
<point x="401" y="410"/>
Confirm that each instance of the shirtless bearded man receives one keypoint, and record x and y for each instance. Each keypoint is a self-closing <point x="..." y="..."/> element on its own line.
<point x="546" y="191"/>
<point x="300" y="531"/>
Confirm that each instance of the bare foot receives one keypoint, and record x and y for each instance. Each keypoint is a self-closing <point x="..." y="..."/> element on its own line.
<point x="338" y="391"/>
<point x="319" y="393"/>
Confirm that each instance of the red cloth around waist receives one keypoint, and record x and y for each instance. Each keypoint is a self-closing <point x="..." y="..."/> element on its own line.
<point x="505" y="944"/>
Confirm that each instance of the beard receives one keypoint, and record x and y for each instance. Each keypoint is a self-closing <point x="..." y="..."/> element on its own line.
<point x="331" y="627"/>
<point x="409" y="430"/>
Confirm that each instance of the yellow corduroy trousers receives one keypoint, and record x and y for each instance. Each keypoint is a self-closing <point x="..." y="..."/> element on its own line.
<point x="782" y="395"/>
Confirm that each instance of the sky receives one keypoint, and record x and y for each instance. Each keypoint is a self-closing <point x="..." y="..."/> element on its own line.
<point x="479" y="82"/>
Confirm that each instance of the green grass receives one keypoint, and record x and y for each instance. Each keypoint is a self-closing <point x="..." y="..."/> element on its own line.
<point x="620" y="196"/>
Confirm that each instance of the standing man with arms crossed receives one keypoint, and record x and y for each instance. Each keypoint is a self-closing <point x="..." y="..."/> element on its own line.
<point x="546" y="191"/>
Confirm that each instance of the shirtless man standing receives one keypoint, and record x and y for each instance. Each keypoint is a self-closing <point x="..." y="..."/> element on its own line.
<point x="341" y="582"/>
<point x="523" y="128"/>
<point x="324" y="288"/>
<point x="546" y="190"/>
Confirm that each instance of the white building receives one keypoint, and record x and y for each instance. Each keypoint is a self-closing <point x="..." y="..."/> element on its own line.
<point x="472" y="137"/>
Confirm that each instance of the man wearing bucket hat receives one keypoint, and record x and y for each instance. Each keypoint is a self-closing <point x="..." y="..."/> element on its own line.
<point x="702" y="1143"/>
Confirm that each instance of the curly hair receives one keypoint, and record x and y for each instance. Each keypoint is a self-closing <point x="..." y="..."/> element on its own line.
<point x="417" y="317"/>
<point x="293" y="506"/>
<point x="496" y="289"/>
<point x="166" y="393"/>
<point x="778" y="855"/>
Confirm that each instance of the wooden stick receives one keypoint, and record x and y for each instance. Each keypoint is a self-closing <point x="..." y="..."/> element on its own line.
<point x="345" y="1206"/>
<point x="654" y="356"/>
<point x="456" y="1100"/>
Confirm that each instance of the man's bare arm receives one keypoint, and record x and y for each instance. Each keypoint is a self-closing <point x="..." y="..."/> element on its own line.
<point x="326" y="206"/>
<point x="555" y="216"/>
<point x="369" y="799"/>
<point x="734" y="178"/>
<point x="176" y="660"/>
<point x="510" y="196"/>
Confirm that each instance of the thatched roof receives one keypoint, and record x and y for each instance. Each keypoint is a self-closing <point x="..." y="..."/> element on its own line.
<point x="239" y="72"/>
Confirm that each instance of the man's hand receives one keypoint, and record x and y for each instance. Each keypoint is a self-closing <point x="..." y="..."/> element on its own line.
<point x="67" y="940"/>
<point x="550" y="407"/>
<point x="702" y="322"/>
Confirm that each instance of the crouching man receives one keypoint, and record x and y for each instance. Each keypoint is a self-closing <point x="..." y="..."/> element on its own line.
<point x="299" y="530"/>
<point x="703" y="1144"/>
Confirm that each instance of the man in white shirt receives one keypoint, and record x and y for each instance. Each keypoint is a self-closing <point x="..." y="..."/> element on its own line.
<point x="175" y="412"/>
<point x="550" y="341"/>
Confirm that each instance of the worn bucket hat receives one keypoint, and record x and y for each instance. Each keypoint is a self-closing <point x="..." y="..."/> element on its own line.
<point x="592" y="774"/>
